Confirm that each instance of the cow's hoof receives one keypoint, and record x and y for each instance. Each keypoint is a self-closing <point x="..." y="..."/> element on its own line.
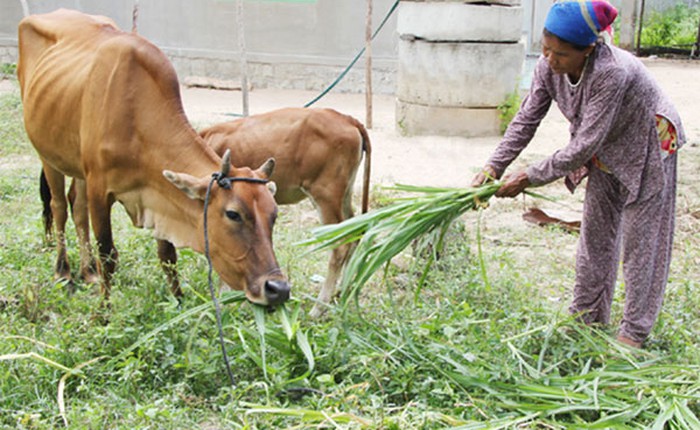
<point x="102" y="314"/>
<point x="90" y="278"/>
<point x="318" y="311"/>
<point x="66" y="283"/>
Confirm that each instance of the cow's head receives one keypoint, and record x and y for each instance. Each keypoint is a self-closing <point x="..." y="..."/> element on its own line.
<point x="240" y="219"/>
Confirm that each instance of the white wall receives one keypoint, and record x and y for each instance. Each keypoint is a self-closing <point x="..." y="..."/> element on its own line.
<point x="300" y="44"/>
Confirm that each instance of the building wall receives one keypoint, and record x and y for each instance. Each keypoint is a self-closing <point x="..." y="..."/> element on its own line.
<point x="294" y="44"/>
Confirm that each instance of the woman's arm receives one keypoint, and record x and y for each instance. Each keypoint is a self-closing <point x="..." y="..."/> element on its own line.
<point x="524" y="125"/>
<point x="599" y="112"/>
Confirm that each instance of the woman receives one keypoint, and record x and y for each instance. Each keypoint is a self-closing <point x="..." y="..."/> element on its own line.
<point x="624" y="137"/>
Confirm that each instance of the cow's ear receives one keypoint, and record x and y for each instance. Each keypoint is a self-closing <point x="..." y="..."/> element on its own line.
<point x="272" y="187"/>
<point x="195" y="188"/>
<point x="268" y="167"/>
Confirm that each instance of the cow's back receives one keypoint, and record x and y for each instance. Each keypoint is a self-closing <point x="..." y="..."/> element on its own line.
<point x="308" y="145"/>
<point x="55" y="57"/>
<point x="39" y="36"/>
<point x="87" y="87"/>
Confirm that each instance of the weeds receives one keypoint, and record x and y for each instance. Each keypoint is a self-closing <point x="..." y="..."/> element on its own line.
<point x="675" y="26"/>
<point x="454" y="353"/>
<point x="507" y="110"/>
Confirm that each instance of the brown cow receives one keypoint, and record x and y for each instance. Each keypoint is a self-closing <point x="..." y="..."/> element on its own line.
<point x="103" y="106"/>
<point x="318" y="153"/>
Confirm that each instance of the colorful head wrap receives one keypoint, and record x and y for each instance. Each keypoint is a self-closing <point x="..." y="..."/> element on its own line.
<point x="579" y="22"/>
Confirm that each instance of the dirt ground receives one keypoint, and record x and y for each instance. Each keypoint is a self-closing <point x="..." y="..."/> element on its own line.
<point x="435" y="160"/>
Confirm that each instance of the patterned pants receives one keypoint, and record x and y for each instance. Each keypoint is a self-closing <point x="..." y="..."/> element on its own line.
<point x="643" y="232"/>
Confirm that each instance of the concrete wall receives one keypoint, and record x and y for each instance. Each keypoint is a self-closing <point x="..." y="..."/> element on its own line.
<point x="452" y="77"/>
<point x="294" y="44"/>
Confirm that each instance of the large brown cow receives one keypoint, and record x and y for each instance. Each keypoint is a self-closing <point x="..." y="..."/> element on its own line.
<point x="318" y="153"/>
<point x="103" y="106"/>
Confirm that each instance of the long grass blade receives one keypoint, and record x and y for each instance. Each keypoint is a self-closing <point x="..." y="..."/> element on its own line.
<point x="34" y="356"/>
<point x="308" y="415"/>
<point x="305" y="347"/>
<point x="62" y="386"/>
<point x="259" y="314"/>
<point x="29" y="339"/>
<point x="384" y="233"/>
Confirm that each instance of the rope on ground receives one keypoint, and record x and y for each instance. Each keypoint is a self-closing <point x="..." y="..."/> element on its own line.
<point x="357" y="57"/>
<point x="217" y="307"/>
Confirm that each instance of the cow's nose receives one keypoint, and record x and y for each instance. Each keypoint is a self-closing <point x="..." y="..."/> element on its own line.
<point x="276" y="291"/>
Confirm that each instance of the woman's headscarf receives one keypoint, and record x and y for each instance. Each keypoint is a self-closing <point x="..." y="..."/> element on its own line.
<point x="579" y="22"/>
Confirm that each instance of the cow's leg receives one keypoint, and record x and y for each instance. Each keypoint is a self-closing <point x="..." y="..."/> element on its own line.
<point x="99" y="208"/>
<point x="59" y="210"/>
<point x="77" y="196"/>
<point x="46" y="215"/>
<point x="168" y="260"/>
<point x="333" y="208"/>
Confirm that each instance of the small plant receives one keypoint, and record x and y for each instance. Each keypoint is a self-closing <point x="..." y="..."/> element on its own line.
<point x="508" y="109"/>
<point x="7" y="70"/>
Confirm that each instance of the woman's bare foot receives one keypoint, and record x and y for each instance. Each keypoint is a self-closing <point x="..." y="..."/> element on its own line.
<point x="629" y="342"/>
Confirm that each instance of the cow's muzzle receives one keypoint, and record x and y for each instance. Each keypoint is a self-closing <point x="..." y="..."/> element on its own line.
<point x="276" y="291"/>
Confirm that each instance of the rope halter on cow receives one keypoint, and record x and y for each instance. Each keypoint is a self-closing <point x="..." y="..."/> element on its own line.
<point x="224" y="181"/>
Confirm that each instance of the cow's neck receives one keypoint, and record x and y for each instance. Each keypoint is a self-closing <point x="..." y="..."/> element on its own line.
<point x="158" y="204"/>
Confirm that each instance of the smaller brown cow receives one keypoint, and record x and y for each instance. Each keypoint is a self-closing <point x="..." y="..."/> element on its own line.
<point x="317" y="154"/>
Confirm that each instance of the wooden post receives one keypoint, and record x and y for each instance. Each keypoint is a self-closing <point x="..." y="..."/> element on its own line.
<point x="696" y="48"/>
<point x="135" y="17"/>
<point x="368" y="66"/>
<point x="244" y="62"/>
<point x="639" y="29"/>
<point x="25" y="7"/>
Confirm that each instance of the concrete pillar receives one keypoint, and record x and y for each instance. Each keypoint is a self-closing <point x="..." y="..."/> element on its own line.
<point x="457" y="62"/>
<point x="629" y="12"/>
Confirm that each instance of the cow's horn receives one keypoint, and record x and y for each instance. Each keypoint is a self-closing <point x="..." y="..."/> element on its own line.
<point x="268" y="167"/>
<point x="226" y="163"/>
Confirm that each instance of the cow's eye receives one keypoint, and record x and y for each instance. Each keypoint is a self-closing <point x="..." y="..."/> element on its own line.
<point x="233" y="216"/>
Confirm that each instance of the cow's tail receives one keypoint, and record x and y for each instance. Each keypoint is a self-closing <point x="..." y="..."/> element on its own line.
<point x="46" y="215"/>
<point x="367" y="148"/>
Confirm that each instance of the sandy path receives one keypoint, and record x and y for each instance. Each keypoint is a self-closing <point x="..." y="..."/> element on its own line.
<point x="436" y="160"/>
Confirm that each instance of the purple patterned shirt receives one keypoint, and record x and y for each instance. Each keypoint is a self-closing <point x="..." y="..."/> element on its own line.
<point x="612" y="115"/>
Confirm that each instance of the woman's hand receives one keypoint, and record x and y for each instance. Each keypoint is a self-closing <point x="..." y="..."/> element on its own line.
<point x="487" y="174"/>
<point x="513" y="185"/>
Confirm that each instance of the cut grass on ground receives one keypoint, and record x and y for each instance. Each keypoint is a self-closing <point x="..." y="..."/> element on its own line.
<point x="491" y="348"/>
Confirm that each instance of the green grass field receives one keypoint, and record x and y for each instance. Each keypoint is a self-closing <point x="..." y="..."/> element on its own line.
<point x="487" y="342"/>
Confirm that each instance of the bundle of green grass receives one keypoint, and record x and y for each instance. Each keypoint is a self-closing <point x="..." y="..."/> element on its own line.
<point x="383" y="233"/>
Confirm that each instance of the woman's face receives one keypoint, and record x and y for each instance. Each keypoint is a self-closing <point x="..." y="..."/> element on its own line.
<point x="563" y="57"/>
